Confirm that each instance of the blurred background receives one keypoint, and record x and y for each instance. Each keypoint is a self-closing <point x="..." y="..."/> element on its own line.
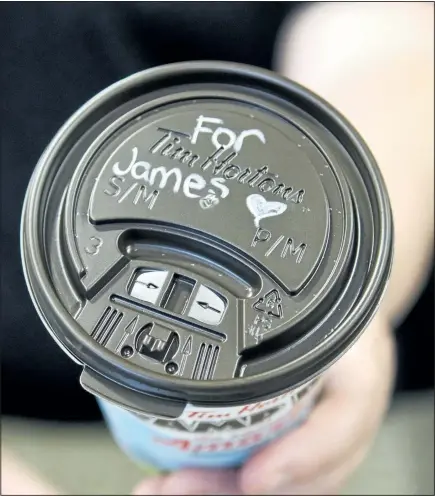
<point x="55" y="56"/>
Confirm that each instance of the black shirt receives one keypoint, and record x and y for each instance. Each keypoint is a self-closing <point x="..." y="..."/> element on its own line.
<point x="55" y="56"/>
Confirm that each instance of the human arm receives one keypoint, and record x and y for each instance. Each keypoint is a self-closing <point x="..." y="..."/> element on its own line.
<point x="374" y="63"/>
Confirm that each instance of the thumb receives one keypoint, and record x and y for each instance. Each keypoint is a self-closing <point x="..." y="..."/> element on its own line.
<point x="341" y="426"/>
<point x="198" y="481"/>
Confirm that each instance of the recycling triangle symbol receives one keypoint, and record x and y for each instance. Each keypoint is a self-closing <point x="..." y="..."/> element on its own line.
<point x="270" y="304"/>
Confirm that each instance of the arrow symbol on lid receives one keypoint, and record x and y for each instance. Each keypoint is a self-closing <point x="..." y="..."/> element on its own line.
<point x="206" y="306"/>
<point x="186" y="352"/>
<point x="150" y="285"/>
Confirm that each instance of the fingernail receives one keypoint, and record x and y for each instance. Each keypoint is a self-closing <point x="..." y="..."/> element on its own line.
<point x="281" y="484"/>
<point x="210" y="482"/>
<point x="151" y="485"/>
<point x="278" y="484"/>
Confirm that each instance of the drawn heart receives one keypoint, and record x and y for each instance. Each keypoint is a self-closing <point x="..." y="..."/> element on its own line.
<point x="260" y="208"/>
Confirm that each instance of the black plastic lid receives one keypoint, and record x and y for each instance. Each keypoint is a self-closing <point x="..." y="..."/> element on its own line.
<point x="205" y="232"/>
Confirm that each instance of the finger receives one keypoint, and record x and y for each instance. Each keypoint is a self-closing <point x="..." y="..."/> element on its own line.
<point x="304" y="454"/>
<point x="343" y="422"/>
<point x="195" y="481"/>
<point x="330" y="483"/>
<point x="151" y="485"/>
<point x="17" y="478"/>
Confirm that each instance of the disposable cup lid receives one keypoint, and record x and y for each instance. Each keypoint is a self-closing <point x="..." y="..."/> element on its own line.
<point x="206" y="232"/>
